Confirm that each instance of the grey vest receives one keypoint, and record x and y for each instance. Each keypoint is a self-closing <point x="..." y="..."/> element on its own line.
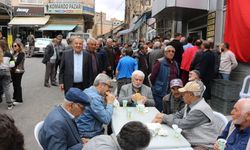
<point x="207" y="133"/>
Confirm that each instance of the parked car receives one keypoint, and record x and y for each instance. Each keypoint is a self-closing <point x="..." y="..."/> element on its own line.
<point x="40" y="45"/>
<point x="84" y="36"/>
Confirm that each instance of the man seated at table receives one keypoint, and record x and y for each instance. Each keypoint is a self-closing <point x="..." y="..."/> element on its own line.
<point x="133" y="136"/>
<point x="100" y="110"/>
<point x="136" y="92"/>
<point x="199" y="124"/>
<point x="59" y="131"/>
<point x="173" y="102"/>
<point x="237" y="131"/>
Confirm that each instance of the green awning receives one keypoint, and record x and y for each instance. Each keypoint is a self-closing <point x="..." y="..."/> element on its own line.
<point x="61" y="27"/>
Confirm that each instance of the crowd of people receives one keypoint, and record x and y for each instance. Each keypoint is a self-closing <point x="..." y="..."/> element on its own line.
<point x="173" y="75"/>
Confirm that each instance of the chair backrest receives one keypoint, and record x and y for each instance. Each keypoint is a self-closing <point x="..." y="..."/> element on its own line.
<point x="36" y="132"/>
<point x="221" y="117"/>
<point x="245" y="90"/>
<point x="149" y="81"/>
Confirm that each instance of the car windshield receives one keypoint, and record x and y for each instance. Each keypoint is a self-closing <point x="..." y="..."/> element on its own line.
<point x="42" y="42"/>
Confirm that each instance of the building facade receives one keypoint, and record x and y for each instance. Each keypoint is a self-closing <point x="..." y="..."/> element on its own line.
<point x="136" y="14"/>
<point x="5" y="16"/>
<point x="47" y="18"/>
<point x="197" y="18"/>
<point x="103" y="26"/>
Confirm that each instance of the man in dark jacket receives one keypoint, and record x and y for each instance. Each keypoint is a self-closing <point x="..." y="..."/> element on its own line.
<point x="49" y="59"/>
<point x="76" y="67"/>
<point x="204" y="62"/>
<point x="178" y="48"/>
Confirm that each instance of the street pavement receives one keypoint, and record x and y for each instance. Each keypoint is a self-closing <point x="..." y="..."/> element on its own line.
<point x="38" y="101"/>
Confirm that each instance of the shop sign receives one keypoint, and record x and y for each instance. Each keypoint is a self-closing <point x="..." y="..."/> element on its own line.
<point x="64" y="8"/>
<point x="28" y="11"/>
<point x="211" y="25"/>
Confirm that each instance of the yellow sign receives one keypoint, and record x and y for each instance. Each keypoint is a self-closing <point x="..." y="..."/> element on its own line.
<point x="10" y="40"/>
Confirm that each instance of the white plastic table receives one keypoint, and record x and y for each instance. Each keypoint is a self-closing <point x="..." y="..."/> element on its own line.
<point x="170" y="142"/>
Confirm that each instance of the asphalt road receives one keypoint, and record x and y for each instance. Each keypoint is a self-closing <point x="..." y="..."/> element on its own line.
<point x="38" y="101"/>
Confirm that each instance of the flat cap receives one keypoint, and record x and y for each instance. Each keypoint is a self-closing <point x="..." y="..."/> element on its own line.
<point x="76" y="95"/>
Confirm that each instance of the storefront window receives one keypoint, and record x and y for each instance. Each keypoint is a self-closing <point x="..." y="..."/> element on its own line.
<point x="32" y="1"/>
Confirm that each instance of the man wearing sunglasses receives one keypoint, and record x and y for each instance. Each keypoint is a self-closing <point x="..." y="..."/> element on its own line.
<point x="90" y="123"/>
<point x="164" y="70"/>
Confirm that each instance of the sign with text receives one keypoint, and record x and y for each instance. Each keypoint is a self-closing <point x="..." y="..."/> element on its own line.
<point x="28" y="11"/>
<point x="64" y="8"/>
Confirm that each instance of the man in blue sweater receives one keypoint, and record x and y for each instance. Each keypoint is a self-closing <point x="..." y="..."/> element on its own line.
<point x="90" y="123"/>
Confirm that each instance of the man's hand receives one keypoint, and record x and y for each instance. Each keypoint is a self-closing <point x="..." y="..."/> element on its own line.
<point x="158" y="118"/>
<point x="144" y="99"/>
<point x="61" y="87"/>
<point x="110" y="98"/>
<point x="85" y="140"/>
<point x="216" y="146"/>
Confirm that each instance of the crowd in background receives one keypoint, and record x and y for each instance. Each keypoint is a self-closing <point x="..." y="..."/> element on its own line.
<point x="173" y="75"/>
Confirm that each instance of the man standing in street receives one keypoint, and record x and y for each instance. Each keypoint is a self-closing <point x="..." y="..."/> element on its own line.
<point x="125" y="67"/>
<point x="60" y="48"/>
<point x="31" y="42"/>
<point x="178" y="48"/>
<point x="165" y="69"/>
<point x="228" y="61"/>
<point x="76" y="67"/>
<point x="91" y="49"/>
<point x="49" y="59"/>
<point x="59" y="130"/>
<point x="111" y="57"/>
<point x="90" y="123"/>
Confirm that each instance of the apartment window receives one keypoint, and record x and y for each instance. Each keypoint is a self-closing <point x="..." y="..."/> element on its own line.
<point x="32" y="1"/>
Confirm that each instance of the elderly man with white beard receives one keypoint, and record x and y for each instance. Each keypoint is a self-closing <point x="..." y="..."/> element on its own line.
<point x="136" y="92"/>
<point x="237" y="131"/>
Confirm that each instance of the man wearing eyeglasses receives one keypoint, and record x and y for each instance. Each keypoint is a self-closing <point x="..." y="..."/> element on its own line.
<point x="164" y="70"/>
<point x="90" y="123"/>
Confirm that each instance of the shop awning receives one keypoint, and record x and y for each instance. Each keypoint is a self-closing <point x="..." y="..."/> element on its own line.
<point x="61" y="27"/>
<point x="142" y="19"/>
<point x="29" y="20"/>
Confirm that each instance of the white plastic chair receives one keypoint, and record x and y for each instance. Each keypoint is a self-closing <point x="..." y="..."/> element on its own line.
<point x="245" y="90"/>
<point x="36" y="132"/>
<point x="221" y="117"/>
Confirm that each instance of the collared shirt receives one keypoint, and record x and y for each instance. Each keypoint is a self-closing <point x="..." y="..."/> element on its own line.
<point x="238" y="138"/>
<point x="173" y="71"/>
<point x="78" y="67"/>
<point x="54" y="57"/>
<point x="70" y="115"/>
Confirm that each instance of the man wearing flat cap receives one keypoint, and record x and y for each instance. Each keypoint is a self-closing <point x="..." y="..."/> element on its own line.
<point x="199" y="124"/>
<point x="173" y="102"/>
<point x="59" y="131"/>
